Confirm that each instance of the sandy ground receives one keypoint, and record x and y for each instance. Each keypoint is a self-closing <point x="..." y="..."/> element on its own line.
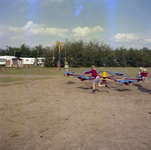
<point x="60" y="114"/>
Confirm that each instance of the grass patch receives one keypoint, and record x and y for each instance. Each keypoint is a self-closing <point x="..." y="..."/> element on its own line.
<point x="19" y="80"/>
<point x="9" y="79"/>
<point x="44" y="130"/>
<point x="2" y="85"/>
<point x="97" y="130"/>
<point x="130" y="71"/>
<point x="66" y="118"/>
<point x="17" y="105"/>
<point x="14" y="135"/>
<point x="32" y="101"/>
<point x="32" y="71"/>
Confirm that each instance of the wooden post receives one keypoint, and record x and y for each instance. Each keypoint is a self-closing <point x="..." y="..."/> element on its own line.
<point x="17" y="65"/>
<point x="20" y="64"/>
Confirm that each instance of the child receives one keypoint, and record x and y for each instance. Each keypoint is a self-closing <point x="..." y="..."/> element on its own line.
<point x="58" y="65"/>
<point x="66" y="67"/>
<point x="96" y="80"/>
<point x="141" y="70"/>
<point x="144" y="75"/>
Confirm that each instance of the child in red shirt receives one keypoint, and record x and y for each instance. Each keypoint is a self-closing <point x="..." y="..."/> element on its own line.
<point x="144" y="75"/>
<point x="96" y="80"/>
<point x="58" y="65"/>
<point x="141" y="70"/>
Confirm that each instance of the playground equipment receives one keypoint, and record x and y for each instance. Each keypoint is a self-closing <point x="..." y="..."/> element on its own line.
<point x="107" y="75"/>
<point x="60" y="44"/>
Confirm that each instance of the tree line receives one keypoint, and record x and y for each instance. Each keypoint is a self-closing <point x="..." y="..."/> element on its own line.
<point x="82" y="54"/>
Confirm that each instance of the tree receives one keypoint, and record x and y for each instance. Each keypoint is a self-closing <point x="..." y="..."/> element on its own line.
<point x="24" y="50"/>
<point x="79" y="53"/>
<point x="121" y="56"/>
<point x="48" y="54"/>
<point x="2" y="52"/>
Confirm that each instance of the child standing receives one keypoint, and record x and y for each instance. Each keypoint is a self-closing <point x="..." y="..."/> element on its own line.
<point x="58" y="65"/>
<point x="144" y="75"/>
<point x="96" y="80"/>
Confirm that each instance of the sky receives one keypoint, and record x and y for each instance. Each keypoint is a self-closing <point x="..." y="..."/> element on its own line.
<point x="118" y="23"/>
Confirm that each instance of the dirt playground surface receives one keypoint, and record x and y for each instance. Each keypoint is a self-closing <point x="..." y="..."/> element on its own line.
<point x="59" y="113"/>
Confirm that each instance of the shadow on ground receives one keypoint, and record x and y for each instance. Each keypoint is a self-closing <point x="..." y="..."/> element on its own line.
<point x="141" y="88"/>
<point x="70" y="82"/>
<point x="123" y="90"/>
<point x="84" y="88"/>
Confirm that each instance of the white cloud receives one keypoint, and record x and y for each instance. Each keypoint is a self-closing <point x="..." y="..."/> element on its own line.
<point x="31" y="25"/>
<point x="38" y="29"/>
<point x="148" y="40"/>
<point x="14" y="29"/>
<point x="30" y="29"/>
<point x="56" y="31"/>
<point x="125" y="37"/>
<point x="18" y="37"/>
<point x="83" y="32"/>
<point x="47" y="31"/>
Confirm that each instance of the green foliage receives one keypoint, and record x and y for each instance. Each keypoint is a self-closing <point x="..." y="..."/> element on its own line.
<point x="82" y="54"/>
<point x="17" y="54"/>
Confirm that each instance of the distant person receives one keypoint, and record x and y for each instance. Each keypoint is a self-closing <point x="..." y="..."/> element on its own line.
<point x="144" y="75"/>
<point x="65" y="62"/>
<point x="96" y="80"/>
<point x="66" y="67"/>
<point x="58" y="66"/>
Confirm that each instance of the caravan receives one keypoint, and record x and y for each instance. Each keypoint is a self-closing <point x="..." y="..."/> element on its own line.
<point x="6" y="60"/>
<point x="40" y="60"/>
<point x="29" y="61"/>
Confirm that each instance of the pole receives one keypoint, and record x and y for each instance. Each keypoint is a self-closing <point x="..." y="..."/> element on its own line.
<point x="59" y="43"/>
<point x="59" y="58"/>
<point x="65" y="52"/>
<point x="53" y="50"/>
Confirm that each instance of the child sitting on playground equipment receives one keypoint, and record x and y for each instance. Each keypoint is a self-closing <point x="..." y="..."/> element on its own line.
<point x="144" y="75"/>
<point x="66" y="67"/>
<point x="140" y="70"/>
<point x="96" y="80"/>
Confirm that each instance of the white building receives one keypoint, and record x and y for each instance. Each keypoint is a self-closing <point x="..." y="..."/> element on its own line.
<point x="29" y="61"/>
<point x="40" y="60"/>
<point x="17" y="62"/>
<point x="9" y="60"/>
<point x="6" y="60"/>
